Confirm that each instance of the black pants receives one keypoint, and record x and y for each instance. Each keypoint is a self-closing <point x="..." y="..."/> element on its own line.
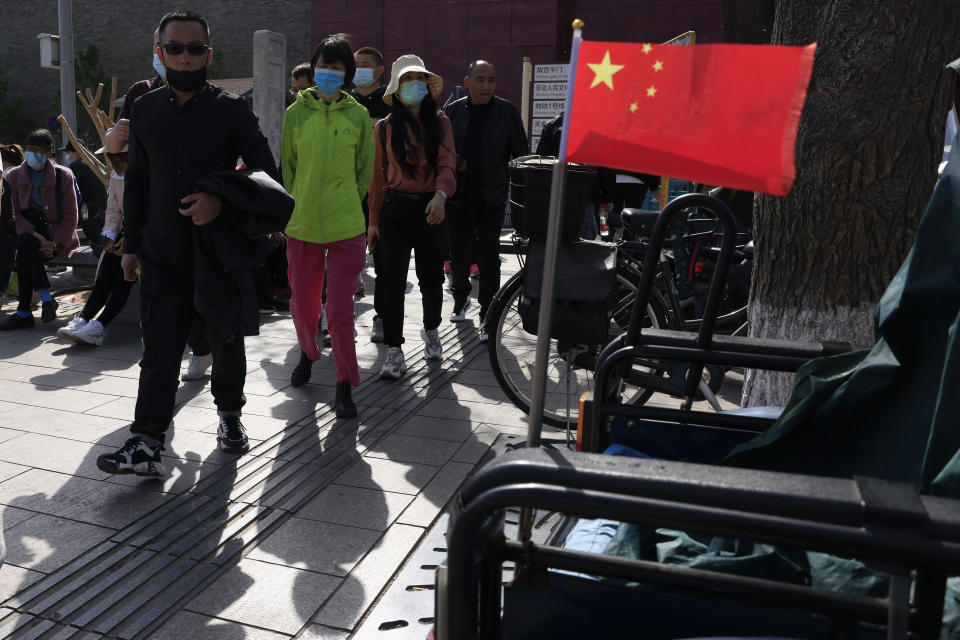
<point x="110" y="291"/>
<point x="166" y="314"/>
<point x="403" y="226"/>
<point x="8" y="249"/>
<point x="475" y="238"/>
<point x="31" y="272"/>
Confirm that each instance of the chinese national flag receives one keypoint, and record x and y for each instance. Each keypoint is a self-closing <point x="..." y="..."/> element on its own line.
<point x="717" y="114"/>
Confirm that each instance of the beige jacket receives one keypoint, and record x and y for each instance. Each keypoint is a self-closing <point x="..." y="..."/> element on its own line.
<point x="113" y="216"/>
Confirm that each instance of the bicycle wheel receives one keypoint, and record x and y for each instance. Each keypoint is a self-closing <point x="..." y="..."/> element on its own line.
<point x="513" y="351"/>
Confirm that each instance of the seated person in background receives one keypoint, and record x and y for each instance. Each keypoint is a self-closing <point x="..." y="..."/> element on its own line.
<point x="45" y="215"/>
<point x="110" y="289"/>
<point x="10" y="156"/>
<point x="92" y="194"/>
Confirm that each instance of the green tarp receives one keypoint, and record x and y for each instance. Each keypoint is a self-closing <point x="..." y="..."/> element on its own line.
<point x="888" y="412"/>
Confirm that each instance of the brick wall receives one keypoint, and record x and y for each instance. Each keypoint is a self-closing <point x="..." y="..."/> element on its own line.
<point x="448" y="34"/>
<point x="123" y="32"/>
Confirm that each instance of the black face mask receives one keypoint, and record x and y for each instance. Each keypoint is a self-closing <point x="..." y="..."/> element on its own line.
<point x="186" y="81"/>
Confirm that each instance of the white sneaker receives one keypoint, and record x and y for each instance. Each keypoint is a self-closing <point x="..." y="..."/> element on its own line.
<point x="394" y="366"/>
<point x="483" y="335"/>
<point x="432" y="349"/>
<point x="197" y="366"/>
<point x="69" y="330"/>
<point x="90" y="333"/>
<point x="459" y="315"/>
<point x="376" y="333"/>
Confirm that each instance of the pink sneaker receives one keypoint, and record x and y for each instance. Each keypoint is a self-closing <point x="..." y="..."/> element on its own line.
<point x="474" y="271"/>
<point x="446" y="266"/>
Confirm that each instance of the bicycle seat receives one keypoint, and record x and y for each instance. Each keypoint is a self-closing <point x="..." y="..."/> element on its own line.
<point x="640" y="221"/>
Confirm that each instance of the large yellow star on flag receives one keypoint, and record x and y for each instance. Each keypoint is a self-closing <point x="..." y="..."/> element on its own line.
<point x="604" y="71"/>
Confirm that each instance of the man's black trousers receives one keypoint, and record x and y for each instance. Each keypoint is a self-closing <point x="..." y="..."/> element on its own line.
<point x="475" y="238"/>
<point x="166" y="313"/>
<point x="31" y="270"/>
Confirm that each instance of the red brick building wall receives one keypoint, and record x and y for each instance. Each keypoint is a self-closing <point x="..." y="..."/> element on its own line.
<point x="448" y="34"/>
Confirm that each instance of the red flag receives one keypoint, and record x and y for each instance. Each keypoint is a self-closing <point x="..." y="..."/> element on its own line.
<point x="718" y="114"/>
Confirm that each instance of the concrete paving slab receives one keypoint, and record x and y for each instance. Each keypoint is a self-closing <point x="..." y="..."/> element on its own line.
<point x="403" y="448"/>
<point x="430" y="502"/>
<point x="374" y="473"/>
<point x="45" y="543"/>
<point x="355" y="507"/>
<point x="316" y="546"/>
<point x="65" y="399"/>
<point x="12" y="516"/>
<point x="500" y="414"/>
<point x="265" y="595"/>
<point x="473" y="450"/>
<point x="55" y="454"/>
<point x="194" y="625"/>
<point x="321" y="632"/>
<point x="458" y="431"/>
<point x="110" y="505"/>
<point x="62" y="424"/>
<point x="14" y="579"/>
<point x="354" y="596"/>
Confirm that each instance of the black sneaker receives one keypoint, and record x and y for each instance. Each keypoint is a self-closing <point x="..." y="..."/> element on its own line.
<point x="343" y="404"/>
<point x="135" y="456"/>
<point x="232" y="435"/>
<point x="49" y="311"/>
<point x="14" y="321"/>
<point x="301" y="373"/>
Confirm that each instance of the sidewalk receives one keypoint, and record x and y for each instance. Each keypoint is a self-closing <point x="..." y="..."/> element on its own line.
<point x="298" y="538"/>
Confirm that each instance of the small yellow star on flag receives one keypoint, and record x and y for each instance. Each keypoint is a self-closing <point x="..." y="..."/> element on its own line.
<point x="658" y="65"/>
<point x="647" y="48"/>
<point x="604" y="71"/>
<point x="651" y="91"/>
<point x="633" y="107"/>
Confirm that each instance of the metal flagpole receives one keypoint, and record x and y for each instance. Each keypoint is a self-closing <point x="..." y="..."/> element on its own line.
<point x="68" y="98"/>
<point x="557" y="190"/>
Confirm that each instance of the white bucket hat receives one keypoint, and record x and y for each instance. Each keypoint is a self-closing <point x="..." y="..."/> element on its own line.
<point x="410" y="63"/>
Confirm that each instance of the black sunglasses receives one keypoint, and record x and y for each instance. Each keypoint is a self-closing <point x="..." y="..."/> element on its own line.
<point x="194" y="48"/>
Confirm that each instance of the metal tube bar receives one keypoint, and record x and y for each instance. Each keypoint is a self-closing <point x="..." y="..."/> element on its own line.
<point x="68" y="99"/>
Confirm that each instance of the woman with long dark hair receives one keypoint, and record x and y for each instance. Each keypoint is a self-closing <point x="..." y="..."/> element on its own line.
<point x="414" y="172"/>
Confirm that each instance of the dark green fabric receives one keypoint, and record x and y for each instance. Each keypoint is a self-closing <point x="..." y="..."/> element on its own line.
<point x="890" y="411"/>
<point x="887" y="412"/>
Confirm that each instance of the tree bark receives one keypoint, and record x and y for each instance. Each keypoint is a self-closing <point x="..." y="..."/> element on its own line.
<point x="747" y="21"/>
<point x="867" y="150"/>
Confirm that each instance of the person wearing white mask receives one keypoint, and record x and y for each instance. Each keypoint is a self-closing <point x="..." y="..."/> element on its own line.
<point x="413" y="175"/>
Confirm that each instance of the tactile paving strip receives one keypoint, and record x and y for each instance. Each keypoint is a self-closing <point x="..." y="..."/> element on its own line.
<point x="129" y="586"/>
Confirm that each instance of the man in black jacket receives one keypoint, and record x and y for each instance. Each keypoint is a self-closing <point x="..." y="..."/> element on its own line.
<point x="179" y="134"/>
<point x="487" y="132"/>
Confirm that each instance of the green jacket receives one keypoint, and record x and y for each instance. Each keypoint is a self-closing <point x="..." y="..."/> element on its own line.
<point x="327" y="160"/>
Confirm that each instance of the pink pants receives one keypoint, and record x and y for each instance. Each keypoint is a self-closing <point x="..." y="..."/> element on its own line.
<point x="343" y="261"/>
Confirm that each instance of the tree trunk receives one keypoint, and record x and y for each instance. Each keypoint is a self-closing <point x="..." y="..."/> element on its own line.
<point x="747" y="21"/>
<point x="867" y="150"/>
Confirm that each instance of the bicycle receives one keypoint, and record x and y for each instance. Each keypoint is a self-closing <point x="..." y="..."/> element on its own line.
<point x="570" y="369"/>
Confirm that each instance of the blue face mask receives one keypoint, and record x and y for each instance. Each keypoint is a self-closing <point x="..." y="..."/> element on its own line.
<point x="363" y="78"/>
<point x="158" y="66"/>
<point x="413" y="92"/>
<point x="35" y="159"/>
<point x="328" y="81"/>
